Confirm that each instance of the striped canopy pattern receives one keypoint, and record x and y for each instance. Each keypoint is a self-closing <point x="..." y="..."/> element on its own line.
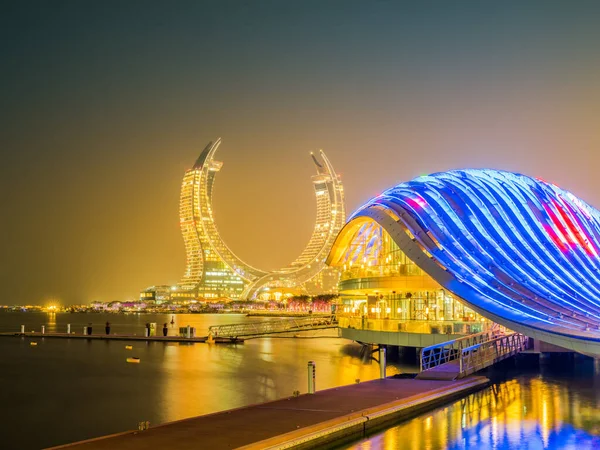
<point x="519" y="248"/>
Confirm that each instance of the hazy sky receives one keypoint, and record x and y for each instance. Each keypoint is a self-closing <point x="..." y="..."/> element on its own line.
<point x="104" y="105"/>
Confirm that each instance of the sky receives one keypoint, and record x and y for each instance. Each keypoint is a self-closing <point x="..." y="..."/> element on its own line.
<point x="105" y="104"/>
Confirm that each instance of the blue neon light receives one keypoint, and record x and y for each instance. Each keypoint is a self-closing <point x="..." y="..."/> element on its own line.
<point x="518" y="247"/>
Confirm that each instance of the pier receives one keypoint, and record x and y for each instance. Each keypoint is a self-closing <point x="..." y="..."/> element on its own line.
<point x="307" y="421"/>
<point x="121" y="337"/>
<point x="218" y="334"/>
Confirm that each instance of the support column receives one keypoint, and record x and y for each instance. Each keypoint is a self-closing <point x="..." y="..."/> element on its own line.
<point x="382" y="361"/>
<point x="312" y="374"/>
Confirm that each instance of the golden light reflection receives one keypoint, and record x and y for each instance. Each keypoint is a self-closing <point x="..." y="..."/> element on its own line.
<point x="540" y="412"/>
<point x="202" y="379"/>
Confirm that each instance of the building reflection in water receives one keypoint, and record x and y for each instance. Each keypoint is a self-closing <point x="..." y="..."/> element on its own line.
<point x="202" y="379"/>
<point x="523" y="413"/>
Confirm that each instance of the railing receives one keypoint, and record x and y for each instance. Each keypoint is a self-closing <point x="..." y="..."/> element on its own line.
<point x="446" y="352"/>
<point x="414" y="326"/>
<point x="480" y="356"/>
<point x="473" y="353"/>
<point x="254" y="329"/>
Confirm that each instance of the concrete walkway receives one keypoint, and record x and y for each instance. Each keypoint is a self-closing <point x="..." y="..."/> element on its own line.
<point x="308" y="421"/>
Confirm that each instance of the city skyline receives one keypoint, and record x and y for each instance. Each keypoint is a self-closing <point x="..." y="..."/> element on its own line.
<point x="105" y="105"/>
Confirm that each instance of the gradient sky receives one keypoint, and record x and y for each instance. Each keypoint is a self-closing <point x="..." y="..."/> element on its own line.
<point x="105" y="104"/>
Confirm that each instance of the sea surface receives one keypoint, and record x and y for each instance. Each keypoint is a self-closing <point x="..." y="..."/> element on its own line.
<point x="62" y="390"/>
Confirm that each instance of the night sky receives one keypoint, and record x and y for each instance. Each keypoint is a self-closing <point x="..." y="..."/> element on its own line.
<point x="104" y="105"/>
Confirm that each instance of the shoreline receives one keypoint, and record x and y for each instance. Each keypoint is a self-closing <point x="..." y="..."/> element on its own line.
<point x="252" y="313"/>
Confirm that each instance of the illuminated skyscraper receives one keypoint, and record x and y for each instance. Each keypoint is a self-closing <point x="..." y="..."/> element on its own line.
<point x="213" y="270"/>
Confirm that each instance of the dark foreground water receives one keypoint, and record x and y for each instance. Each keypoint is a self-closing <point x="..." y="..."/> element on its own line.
<point x="529" y="412"/>
<point x="66" y="390"/>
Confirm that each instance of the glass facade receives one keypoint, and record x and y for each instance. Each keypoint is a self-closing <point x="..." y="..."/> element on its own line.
<point x="206" y="275"/>
<point x="378" y="281"/>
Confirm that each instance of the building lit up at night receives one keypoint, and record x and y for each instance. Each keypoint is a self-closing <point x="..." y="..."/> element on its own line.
<point x="156" y="294"/>
<point x="449" y="252"/>
<point x="214" y="271"/>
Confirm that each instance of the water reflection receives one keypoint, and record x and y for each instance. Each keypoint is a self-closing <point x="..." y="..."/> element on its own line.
<point x="528" y="412"/>
<point x="173" y="381"/>
<point x="201" y="379"/>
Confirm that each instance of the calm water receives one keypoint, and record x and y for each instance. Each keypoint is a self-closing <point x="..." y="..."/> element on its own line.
<point x="66" y="390"/>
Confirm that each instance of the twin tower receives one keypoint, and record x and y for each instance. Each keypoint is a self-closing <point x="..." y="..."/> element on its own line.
<point x="214" y="271"/>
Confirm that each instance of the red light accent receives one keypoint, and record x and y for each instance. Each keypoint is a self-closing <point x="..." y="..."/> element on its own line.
<point x="570" y="233"/>
<point x="417" y="202"/>
<point x="561" y="239"/>
<point x="558" y="241"/>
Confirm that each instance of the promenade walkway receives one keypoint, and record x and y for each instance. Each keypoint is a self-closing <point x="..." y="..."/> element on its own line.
<point x="306" y="421"/>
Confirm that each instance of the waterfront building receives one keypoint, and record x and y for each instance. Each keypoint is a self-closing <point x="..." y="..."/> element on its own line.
<point x="213" y="271"/>
<point x="472" y="244"/>
<point x="379" y="281"/>
<point x="156" y="294"/>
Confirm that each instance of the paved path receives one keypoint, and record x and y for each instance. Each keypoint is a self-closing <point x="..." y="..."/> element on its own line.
<point x="308" y="418"/>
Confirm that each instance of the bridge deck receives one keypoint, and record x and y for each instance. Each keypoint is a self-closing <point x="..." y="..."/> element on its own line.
<point x="461" y="357"/>
<point x="448" y="371"/>
<point x="269" y="327"/>
<point x="316" y="418"/>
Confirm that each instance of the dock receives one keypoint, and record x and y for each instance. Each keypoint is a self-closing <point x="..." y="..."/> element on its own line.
<point x="123" y="337"/>
<point x="217" y="334"/>
<point x="307" y="421"/>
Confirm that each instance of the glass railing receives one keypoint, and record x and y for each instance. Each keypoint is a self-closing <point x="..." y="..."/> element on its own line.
<point x="390" y="270"/>
<point x="450" y="327"/>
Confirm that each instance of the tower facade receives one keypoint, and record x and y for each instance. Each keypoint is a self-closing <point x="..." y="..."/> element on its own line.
<point x="206" y="274"/>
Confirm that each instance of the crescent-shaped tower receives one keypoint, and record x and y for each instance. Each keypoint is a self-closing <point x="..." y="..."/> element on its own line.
<point x="213" y="270"/>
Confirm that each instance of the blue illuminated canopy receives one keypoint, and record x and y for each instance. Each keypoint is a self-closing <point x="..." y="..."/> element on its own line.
<point x="519" y="250"/>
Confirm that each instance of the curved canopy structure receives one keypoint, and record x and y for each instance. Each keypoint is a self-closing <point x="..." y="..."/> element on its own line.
<point x="214" y="270"/>
<point x="520" y="251"/>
